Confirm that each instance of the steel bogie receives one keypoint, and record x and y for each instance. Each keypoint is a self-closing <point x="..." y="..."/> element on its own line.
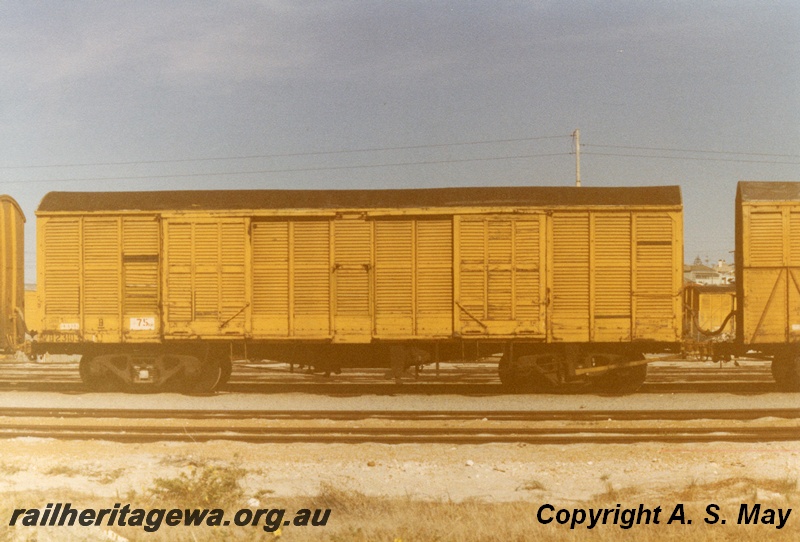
<point x="786" y="369"/>
<point x="542" y="368"/>
<point x="128" y="372"/>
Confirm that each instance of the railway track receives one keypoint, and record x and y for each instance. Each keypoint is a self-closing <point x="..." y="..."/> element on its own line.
<point x="406" y="415"/>
<point x="432" y="435"/>
<point x="467" y="378"/>
<point x="407" y="426"/>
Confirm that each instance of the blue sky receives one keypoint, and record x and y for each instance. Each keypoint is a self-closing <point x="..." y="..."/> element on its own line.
<point x="264" y="94"/>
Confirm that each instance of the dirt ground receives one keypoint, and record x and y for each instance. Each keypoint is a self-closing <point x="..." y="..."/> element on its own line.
<point x="491" y="472"/>
<point x="36" y="471"/>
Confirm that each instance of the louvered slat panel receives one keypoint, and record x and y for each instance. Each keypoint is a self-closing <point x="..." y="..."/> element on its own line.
<point x="206" y="296"/>
<point x="393" y="267"/>
<point x="435" y="277"/>
<point x="62" y="267"/>
<point x="179" y="236"/>
<point x="352" y="254"/>
<point x="527" y="274"/>
<point x="232" y="275"/>
<point x="766" y="239"/>
<point x="499" y="247"/>
<point x="271" y="268"/>
<point x="206" y="246"/>
<point x="473" y="241"/>
<point x="141" y="289"/>
<point x="207" y="284"/>
<point x="101" y="277"/>
<point x="140" y="236"/>
<point x="794" y="239"/>
<point x="611" y="272"/>
<point x="793" y="277"/>
<point x="394" y="277"/>
<point x="612" y="275"/>
<point x="571" y="265"/>
<point x="311" y="276"/>
<point x="472" y="287"/>
<point x="500" y="255"/>
<point x="179" y="272"/>
<point x="570" y="290"/>
<point x="654" y="284"/>
<point x="499" y="294"/>
<point x="500" y="274"/>
<point x="140" y="255"/>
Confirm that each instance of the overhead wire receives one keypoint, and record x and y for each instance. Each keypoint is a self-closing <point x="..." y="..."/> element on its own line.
<point x="689" y="155"/>
<point x="692" y="151"/>
<point x="690" y="158"/>
<point x="284" y="170"/>
<point x="288" y="154"/>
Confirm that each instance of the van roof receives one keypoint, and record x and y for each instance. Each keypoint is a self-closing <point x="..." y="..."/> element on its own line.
<point x="510" y="196"/>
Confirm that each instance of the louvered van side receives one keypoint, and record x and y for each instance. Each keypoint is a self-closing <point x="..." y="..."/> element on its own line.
<point x="98" y="279"/>
<point x="616" y="276"/>
<point x="102" y="278"/>
<point x="154" y="287"/>
<point x="12" y="282"/>
<point x="606" y="278"/>
<point x="768" y="274"/>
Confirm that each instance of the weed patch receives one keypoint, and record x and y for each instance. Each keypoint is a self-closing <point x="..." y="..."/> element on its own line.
<point x="206" y="486"/>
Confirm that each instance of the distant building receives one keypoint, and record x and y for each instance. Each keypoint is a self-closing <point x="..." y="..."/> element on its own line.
<point x="720" y="274"/>
<point x="726" y="271"/>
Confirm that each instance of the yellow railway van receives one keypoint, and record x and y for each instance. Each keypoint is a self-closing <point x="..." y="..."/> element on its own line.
<point x="12" y="269"/>
<point x="568" y="283"/>
<point x="768" y="274"/>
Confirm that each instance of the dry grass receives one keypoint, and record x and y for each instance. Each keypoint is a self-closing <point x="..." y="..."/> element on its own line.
<point x="9" y="470"/>
<point x="532" y="485"/>
<point x="89" y="471"/>
<point x="360" y="518"/>
<point x="64" y="470"/>
<point x="740" y="488"/>
<point x="211" y="486"/>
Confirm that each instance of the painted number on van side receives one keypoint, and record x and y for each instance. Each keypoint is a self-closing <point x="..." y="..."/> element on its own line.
<point x="143" y="324"/>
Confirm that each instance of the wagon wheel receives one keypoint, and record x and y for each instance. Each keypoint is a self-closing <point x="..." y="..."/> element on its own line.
<point x="206" y="378"/>
<point x="227" y="368"/>
<point x="786" y="371"/>
<point x="533" y="373"/>
<point x="505" y="373"/>
<point x="622" y="381"/>
<point x="95" y="377"/>
<point x="778" y="368"/>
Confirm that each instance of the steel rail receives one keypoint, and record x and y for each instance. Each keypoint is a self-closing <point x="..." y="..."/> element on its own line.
<point x="439" y="435"/>
<point x="415" y="415"/>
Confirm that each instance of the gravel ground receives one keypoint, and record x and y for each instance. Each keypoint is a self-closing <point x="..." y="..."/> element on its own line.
<point x="34" y="471"/>
<point x="495" y="472"/>
<point x="491" y="472"/>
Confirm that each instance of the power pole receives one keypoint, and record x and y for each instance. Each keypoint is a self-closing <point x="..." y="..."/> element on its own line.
<point x="576" y="136"/>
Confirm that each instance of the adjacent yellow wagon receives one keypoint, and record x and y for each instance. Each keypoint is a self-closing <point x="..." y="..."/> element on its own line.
<point x="12" y="269"/>
<point x="768" y="274"/>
